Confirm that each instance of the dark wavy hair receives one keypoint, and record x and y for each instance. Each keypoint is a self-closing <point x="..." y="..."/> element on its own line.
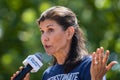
<point x="66" y="18"/>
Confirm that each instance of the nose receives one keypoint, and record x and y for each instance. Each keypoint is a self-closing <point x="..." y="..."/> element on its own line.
<point x="44" y="38"/>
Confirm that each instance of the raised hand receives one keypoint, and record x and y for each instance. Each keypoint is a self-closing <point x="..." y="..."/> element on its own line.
<point x="99" y="65"/>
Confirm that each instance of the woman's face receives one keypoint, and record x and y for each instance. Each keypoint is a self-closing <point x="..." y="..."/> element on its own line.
<point x="53" y="37"/>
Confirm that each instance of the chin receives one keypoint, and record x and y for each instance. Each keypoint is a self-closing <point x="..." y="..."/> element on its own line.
<point x="49" y="53"/>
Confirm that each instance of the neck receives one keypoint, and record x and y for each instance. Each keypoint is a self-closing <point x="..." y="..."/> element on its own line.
<point x="62" y="55"/>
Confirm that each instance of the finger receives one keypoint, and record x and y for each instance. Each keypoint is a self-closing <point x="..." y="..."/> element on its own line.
<point x="11" y="78"/>
<point x="97" y="54"/>
<point x="14" y="75"/>
<point x="17" y="72"/>
<point x="21" y="67"/>
<point x="102" y="52"/>
<point x="106" y="57"/>
<point x="93" y="58"/>
<point x="111" y="65"/>
<point x="27" y="76"/>
<point x="100" y="56"/>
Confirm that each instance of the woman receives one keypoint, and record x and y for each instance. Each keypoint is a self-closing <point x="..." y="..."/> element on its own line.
<point x="62" y="38"/>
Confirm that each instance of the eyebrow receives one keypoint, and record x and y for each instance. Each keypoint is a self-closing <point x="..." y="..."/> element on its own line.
<point x="49" y="25"/>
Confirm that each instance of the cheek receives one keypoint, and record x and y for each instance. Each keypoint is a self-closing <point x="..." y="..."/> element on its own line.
<point x="59" y="41"/>
<point x="41" y="39"/>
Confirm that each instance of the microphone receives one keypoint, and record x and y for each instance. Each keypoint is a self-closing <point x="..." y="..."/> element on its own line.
<point x="32" y="64"/>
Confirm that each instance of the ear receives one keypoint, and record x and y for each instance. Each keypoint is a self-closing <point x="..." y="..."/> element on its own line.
<point x="70" y="32"/>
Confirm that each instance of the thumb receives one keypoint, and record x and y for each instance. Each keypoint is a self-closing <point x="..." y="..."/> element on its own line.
<point x="111" y="65"/>
<point x="27" y="77"/>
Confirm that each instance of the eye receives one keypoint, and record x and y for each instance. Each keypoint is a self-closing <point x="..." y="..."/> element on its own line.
<point x="50" y="30"/>
<point x="41" y="31"/>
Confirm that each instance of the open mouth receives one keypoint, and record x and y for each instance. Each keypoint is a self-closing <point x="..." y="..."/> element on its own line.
<point x="47" y="46"/>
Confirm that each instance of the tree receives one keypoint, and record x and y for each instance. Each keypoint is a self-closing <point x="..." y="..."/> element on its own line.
<point x="20" y="36"/>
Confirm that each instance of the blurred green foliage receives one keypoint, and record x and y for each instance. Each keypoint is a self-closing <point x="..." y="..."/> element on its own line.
<point x="20" y="36"/>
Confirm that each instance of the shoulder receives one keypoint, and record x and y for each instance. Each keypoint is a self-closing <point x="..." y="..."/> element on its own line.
<point x="84" y="68"/>
<point x="84" y="64"/>
<point x="86" y="60"/>
<point x="46" y="73"/>
<point x="52" y="71"/>
<point x="48" y="70"/>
